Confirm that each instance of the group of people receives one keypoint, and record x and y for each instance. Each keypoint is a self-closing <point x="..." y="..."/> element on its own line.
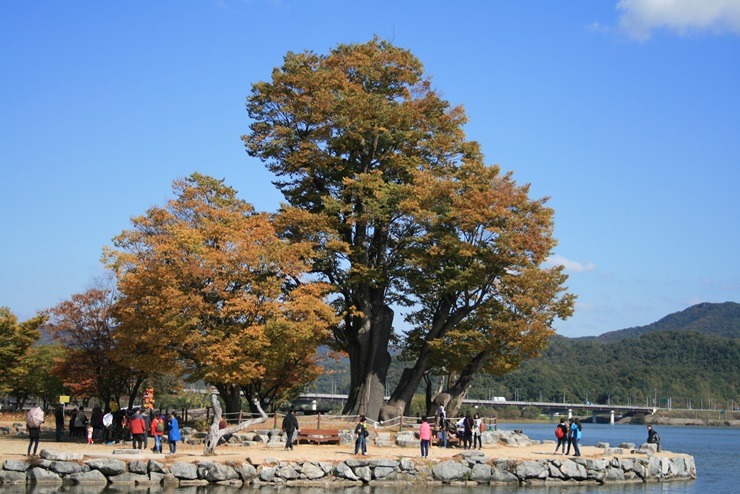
<point x="568" y="434"/>
<point x="468" y="430"/>
<point x="111" y="427"/>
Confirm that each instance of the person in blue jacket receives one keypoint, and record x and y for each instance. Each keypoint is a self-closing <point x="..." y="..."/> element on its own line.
<point x="173" y="433"/>
<point x="575" y="429"/>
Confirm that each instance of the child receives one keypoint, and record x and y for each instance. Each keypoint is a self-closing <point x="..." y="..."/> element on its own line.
<point x="425" y="435"/>
<point x="89" y="433"/>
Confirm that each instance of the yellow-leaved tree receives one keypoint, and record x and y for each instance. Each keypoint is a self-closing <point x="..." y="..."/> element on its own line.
<point x="208" y="286"/>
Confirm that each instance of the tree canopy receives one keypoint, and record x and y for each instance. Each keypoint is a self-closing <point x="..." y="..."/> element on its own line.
<point x="209" y="287"/>
<point x="378" y="174"/>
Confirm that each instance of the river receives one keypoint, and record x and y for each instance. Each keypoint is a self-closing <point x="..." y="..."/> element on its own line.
<point x="715" y="450"/>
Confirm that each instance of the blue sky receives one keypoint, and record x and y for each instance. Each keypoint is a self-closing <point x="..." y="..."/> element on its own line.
<point x="625" y="113"/>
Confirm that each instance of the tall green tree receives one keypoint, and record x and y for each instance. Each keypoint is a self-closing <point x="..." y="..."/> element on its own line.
<point x="370" y="158"/>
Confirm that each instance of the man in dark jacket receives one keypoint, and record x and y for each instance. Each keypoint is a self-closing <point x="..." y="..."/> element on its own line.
<point x="290" y="426"/>
<point x="653" y="437"/>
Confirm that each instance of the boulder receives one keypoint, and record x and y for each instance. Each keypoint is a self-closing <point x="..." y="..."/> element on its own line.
<point x="129" y="478"/>
<point x="481" y="473"/>
<point x="184" y="470"/>
<point x="382" y="472"/>
<point x="88" y="477"/>
<point x="312" y="471"/>
<point x="67" y="467"/>
<point x="53" y="455"/>
<point x="267" y="474"/>
<point x="246" y="471"/>
<point x="364" y="473"/>
<point x="42" y="475"/>
<point x="16" y="465"/>
<point x="532" y="469"/>
<point x="108" y="466"/>
<point x="138" y="466"/>
<point x="449" y="471"/>
<point x="573" y="470"/>
<point x="12" y="477"/>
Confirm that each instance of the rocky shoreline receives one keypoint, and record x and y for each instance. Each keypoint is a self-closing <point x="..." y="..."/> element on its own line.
<point x="64" y="468"/>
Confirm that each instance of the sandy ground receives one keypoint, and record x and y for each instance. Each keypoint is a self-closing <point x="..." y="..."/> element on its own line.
<point x="15" y="446"/>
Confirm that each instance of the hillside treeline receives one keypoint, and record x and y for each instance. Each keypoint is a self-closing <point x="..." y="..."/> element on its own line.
<point x="675" y="368"/>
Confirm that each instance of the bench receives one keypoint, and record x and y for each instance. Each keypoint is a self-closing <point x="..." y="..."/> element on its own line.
<point x="319" y="436"/>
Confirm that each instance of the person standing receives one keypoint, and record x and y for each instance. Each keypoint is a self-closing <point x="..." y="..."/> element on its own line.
<point x="80" y="422"/>
<point x="561" y="434"/>
<point x="173" y="433"/>
<point x="290" y="426"/>
<point x="477" y="432"/>
<point x="361" y="432"/>
<point x="137" y="426"/>
<point x="425" y="436"/>
<point x="653" y="437"/>
<point x="575" y="436"/>
<point x="72" y="417"/>
<point x="59" y="421"/>
<point x="34" y="419"/>
<point x="159" y="424"/>
<point x="468" y="425"/>
<point x="442" y="424"/>
<point x="569" y="436"/>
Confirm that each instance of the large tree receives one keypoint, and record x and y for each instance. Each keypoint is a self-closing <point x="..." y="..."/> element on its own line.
<point x="369" y="159"/>
<point x="94" y="363"/>
<point x="16" y="351"/>
<point x="209" y="288"/>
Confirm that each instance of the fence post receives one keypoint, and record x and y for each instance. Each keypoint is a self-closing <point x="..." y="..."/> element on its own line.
<point x="240" y="417"/>
<point x="274" y="421"/>
<point x="318" y="420"/>
<point x="400" y="423"/>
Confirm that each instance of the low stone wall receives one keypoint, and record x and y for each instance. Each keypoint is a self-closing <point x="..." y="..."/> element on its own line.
<point x="55" y="467"/>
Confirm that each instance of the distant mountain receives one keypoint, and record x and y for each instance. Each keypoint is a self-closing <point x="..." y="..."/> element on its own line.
<point x="706" y="318"/>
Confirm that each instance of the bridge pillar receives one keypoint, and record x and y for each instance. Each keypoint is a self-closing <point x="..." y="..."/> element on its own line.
<point x="570" y="413"/>
<point x="611" y="417"/>
<point x="593" y="416"/>
<point x="551" y="413"/>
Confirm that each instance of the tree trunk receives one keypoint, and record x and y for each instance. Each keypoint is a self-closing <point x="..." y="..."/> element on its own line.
<point x="215" y="434"/>
<point x="135" y="391"/>
<point x="369" y="361"/>
<point x="232" y="396"/>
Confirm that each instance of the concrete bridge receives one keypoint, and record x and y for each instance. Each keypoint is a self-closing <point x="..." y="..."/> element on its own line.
<point x="551" y="408"/>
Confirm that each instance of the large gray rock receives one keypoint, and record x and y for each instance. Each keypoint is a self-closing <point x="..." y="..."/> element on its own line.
<point x="246" y="471"/>
<point x="157" y="467"/>
<point x="449" y="471"/>
<point x="382" y="472"/>
<point x="267" y="474"/>
<point x="138" y="466"/>
<point x="218" y="472"/>
<point x="89" y="477"/>
<point x="12" y="477"/>
<point x="532" y="469"/>
<point x="287" y="472"/>
<point x="573" y="470"/>
<point x="42" y="475"/>
<point x="67" y="467"/>
<point x="129" y="478"/>
<point x="500" y="474"/>
<point x="614" y="475"/>
<point x="16" y="465"/>
<point x="344" y="471"/>
<point x="108" y="466"/>
<point x="184" y="470"/>
<point x="127" y="451"/>
<point x="481" y="473"/>
<point x="364" y="473"/>
<point x="312" y="471"/>
<point x="53" y="455"/>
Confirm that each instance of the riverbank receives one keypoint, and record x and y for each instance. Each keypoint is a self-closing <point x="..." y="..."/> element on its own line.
<point x="507" y="457"/>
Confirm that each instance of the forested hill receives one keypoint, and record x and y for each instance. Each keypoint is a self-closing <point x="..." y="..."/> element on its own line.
<point x="690" y="357"/>
<point x="707" y="318"/>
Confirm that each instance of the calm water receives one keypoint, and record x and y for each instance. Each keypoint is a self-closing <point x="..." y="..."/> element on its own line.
<point x="716" y="451"/>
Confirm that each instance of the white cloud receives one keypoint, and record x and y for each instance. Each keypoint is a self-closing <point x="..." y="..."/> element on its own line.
<point x="572" y="266"/>
<point x="639" y="18"/>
